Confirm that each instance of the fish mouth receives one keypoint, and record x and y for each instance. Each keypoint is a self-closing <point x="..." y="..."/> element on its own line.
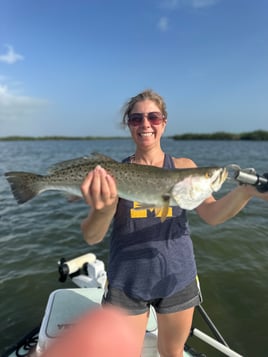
<point x="220" y="176"/>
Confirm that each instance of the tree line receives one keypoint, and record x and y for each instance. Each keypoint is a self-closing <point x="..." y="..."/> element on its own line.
<point x="219" y="135"/>
<point x="222" y="135"/>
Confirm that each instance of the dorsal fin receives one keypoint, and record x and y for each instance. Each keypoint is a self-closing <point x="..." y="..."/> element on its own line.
<point x="68" y="163"/>
<point x="101" y="157"/>
<point x="96" y="157"/>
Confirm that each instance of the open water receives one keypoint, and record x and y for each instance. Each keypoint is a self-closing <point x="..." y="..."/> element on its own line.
<point x="232" y="258"/>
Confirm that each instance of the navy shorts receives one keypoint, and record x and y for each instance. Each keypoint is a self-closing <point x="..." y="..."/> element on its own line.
<point x="189" y="297"/>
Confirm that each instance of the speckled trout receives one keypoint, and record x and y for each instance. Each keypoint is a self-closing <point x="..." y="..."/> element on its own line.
<point x="151" y="186"/>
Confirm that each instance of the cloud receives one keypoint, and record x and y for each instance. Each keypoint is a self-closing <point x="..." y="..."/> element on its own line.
<point x="18" y="107"/>
<point x="174" y="4"/>
<point x="10" y="56"/>
<point x="163" y="24"/>
<point x="203" y="3"/>
<point x="170" y="4"/>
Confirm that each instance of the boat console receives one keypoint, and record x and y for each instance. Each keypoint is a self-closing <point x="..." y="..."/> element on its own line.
<point x="65" y="306"/>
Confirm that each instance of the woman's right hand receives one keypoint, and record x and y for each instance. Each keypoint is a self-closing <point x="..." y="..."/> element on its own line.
<point x="99" y="189"/>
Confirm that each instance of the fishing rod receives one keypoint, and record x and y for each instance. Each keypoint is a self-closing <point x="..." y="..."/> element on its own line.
<point x="211" y="325"/>
<point x="218" y="342"/>
<point x="227" y="351"/>
<point x="250" y="176"/>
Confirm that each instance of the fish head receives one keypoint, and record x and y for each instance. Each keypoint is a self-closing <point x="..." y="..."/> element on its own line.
<point x="216" y="176"/>
<point x="198" y="186"/>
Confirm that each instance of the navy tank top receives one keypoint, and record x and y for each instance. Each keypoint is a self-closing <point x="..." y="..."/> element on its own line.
<point x="150" y="259"/>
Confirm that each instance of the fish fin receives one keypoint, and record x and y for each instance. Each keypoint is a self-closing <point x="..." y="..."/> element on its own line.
<point x="79" y="161"/>
<point x="68" y="164"/>
<point x="24" y="185"/>
<point x="165" y="208"/>
<point x="164" y="213"/>
<point x="101" y="157"/>
<point x="72" y="198"/>
<point x="161" y="212"/>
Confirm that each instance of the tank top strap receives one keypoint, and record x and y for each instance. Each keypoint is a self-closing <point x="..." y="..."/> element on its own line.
<point x="168" y="161"/>
<point x="128" y="159"/>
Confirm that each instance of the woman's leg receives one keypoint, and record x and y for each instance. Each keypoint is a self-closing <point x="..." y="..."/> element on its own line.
<point x="138" y="324"/>
<point x="173" y="331"/>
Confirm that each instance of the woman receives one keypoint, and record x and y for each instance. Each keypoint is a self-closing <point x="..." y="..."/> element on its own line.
<point x="152" y="263"/>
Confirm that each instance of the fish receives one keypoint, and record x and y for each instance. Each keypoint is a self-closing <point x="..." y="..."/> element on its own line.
<point x="151" y="186"/>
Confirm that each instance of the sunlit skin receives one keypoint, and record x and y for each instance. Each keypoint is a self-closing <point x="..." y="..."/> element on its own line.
<point x="146" y="135"/>
<point x="99" y="333"/>
<point x="99" y="191"/>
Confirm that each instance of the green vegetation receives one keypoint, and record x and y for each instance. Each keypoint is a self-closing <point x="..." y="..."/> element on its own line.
<point x="221" y="135"/>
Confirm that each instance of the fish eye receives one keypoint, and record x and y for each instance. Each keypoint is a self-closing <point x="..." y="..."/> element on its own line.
<point x="208" y="175"/>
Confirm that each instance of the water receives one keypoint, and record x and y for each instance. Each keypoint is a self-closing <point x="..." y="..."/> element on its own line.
<point x="231" y="258"/>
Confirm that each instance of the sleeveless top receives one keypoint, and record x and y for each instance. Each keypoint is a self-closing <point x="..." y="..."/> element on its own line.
<point x="150" y="259"/>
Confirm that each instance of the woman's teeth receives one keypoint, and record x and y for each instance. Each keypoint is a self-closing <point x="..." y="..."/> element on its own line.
<point x="146" y="134"/>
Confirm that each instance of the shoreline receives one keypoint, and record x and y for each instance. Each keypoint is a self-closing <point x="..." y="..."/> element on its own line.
<point x="257" y="135"/>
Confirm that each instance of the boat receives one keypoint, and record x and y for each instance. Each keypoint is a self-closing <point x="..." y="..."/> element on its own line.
<point x="89" y="276"/>
<point x="65" y="305"/>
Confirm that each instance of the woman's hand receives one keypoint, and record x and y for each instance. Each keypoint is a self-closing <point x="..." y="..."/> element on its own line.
<point x="253" y="192"/>
<point x="99" y="189"/>
<point x="100" y="192"/>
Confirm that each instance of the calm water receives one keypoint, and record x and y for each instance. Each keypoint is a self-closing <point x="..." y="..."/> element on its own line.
<point x="232" y="258"/>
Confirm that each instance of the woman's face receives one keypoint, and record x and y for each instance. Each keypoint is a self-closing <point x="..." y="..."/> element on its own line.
<point x="147" y="133"/>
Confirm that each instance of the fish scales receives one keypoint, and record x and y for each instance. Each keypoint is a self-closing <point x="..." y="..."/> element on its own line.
<point x="149" y="185"/>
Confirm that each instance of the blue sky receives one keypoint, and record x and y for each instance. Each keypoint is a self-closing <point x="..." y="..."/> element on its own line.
<point x="67" y="67"/>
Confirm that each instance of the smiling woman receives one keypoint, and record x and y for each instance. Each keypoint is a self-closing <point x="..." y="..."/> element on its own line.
<point x="146" y="117"/>
<point x="152" y="262"/>
<point x="48" y="228"/>
<point x="145" y="95"/>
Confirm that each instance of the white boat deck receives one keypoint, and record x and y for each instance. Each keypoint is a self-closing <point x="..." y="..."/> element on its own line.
<point x="66" y="305"/>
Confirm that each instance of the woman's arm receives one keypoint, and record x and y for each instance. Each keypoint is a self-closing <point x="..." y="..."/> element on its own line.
<point x="218" y="211"/>
<point x="99" y="191"/>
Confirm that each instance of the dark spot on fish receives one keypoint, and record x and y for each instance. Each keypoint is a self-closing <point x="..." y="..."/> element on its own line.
<point x="166" y="197"/>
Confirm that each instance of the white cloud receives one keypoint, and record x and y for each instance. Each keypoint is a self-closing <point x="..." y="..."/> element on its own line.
<point x="10" y="56"/>
<point x="174" y="4"/>
<point x="170" y="4"/>
<point x="163" y="23"/>
<point x="203" y="3"/>
<point x="18" y="107"/>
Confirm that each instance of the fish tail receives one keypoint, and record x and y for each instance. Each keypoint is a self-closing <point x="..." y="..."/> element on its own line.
<point x="24" y="185"/>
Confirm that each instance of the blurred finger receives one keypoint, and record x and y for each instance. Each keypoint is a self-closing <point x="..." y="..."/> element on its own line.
<point x="85" y="187"/>
<point x="95" y="188"/>
<point x="112" y="186"/>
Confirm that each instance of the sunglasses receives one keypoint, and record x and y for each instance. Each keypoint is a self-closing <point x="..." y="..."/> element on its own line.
<point x="155" y="118"/>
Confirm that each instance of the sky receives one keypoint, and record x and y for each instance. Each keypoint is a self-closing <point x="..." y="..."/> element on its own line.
<point x="68" y="66"/>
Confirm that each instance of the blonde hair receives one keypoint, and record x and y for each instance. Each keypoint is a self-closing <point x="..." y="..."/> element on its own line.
<point x="148" y="94"/>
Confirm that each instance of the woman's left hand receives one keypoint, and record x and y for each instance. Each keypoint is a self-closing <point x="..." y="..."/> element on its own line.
<point x="253" y="192"/>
